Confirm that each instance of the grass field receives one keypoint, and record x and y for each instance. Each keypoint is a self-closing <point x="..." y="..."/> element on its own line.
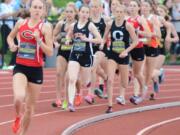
<point x="61" y="3"/>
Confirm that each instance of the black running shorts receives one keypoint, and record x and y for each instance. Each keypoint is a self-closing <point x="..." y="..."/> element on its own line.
<point x="115" y="56"/>
<point x="33" y="74"/>
<point x="64" y="54"/>
<point x="85" y="60"/>
<point x="137" y="54"/>
<point x="150" y="51"/>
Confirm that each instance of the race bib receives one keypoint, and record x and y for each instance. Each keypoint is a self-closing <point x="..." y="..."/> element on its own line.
<point x="27" y="51"/>
<point x="65" y="47"/>
<point x="118" y="46"/>
<point x="79" y="45"/>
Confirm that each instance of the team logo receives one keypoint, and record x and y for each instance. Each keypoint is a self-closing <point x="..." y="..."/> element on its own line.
<point x="27" y="34"/>
<point x="118" y="35"/>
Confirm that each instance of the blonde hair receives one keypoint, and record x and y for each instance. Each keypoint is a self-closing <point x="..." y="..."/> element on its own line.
<point x="137" y="1"/>
<point x="164" y="8"/>
<point x="72" y="4"/>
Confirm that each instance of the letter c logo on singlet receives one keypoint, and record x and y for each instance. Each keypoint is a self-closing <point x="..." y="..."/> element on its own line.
<point x="27" y="34"/>
<point x="118" y="35"/>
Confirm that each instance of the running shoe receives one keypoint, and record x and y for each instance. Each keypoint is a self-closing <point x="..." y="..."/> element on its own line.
<point x="16" y="124"/>
<point x="162" y="76"/>
<point x="101" y="87"/>
<point x="71" y="108"/>
<point x="78" y="100"/>
<point x="109" y="110"/>
<point x="156" y="87"/>
<point x="138" y="100"/>
<point x="65" y="105"/>
<point x="57" y="103"/>
<point x="98" y="92"/>
<point x="121" y="100"/>
<point x="132" y="99"/>
<point x="89" y="99"/>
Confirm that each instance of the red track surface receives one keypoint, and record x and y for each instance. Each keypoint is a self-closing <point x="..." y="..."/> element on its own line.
<point x="133" y="123"/>
<point x="50" y="121"/>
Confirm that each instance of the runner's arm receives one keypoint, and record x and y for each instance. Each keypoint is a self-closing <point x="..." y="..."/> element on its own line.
<point x="12" y="35"/>
<point x="47" y="46"/>
<point x="133" y="37"/>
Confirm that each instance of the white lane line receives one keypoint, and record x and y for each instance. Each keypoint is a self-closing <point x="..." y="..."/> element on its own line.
<point x="52" y="112"/>
<point x="78" y="108"/>
<point x="46" y="92"/>
<point x="92" y="120"/>
<point x="143" y="131"/>
<point x="52" y="92"/>
<point x="54" y="75"/>
<point x="175" y="79"/>
<point x="115" y="94"/>
<point x="171" y="69"/>
<point x="130" y="86"/>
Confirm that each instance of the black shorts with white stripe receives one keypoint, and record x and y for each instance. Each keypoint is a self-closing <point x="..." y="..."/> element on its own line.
<point x="85" y="60"/>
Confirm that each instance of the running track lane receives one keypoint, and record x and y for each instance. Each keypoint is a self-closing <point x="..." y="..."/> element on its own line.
<point x="133" y="124"/>
<point x="56" y="121"/>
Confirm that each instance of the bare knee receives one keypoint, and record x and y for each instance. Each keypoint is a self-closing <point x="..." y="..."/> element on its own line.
<point x="72" y="80"/>
<point x="19" y="98"/>
<point x="59" y="74"/>
<point x="138" y="75"/>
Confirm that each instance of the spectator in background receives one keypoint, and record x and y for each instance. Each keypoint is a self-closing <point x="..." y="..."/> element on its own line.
<point x="6" y="12"/>
<point x="79" y="3"/>
<point x="22" y="8"/>
<point x="16" y="4"/>
<point x="25" y="4"/>
<point x="174" y="6"/>
<point x="106" y="7"/>
<point x="1" y="59"/>
<point x="23" y="11"/>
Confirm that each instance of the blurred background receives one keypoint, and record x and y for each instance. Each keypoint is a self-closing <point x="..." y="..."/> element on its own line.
<point x="12" y="10"/>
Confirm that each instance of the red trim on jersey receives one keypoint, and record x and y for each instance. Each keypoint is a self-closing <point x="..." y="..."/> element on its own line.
<point x="137" y="26"/>
<point x="25" y="35"/>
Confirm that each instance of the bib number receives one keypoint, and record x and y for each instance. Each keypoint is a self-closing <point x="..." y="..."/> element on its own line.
<point x="27" y="51"/>
<point x="118" y="46"/>
<point x="79" y="46"/>
<point x="65" y="47"/>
